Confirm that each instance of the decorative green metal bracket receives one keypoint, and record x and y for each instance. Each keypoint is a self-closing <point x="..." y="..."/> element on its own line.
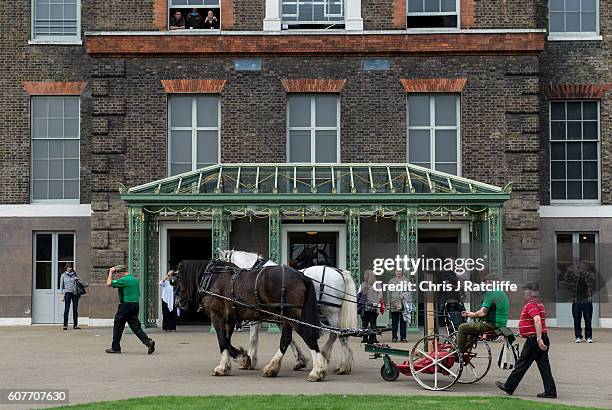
<point x="408" y="244"/>
<point x="137" y="253"/>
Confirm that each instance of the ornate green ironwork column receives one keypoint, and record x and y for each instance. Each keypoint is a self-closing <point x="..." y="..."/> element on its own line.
<point x="408" y="244"/>
<point x="274" y="235"/>
<point x="137" y="254"/>
<point x="220" y="231"/>
<point x="494" y="231"/>
<point x="274" y="247"/>
<point x="353" y="244"/>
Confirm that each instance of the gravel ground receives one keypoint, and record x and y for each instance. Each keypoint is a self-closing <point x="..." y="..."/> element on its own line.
<point x="40" y="357"/>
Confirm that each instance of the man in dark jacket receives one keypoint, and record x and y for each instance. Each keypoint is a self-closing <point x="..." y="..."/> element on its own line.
<point x="127" y="311"/>
<point x="194" y="20"/>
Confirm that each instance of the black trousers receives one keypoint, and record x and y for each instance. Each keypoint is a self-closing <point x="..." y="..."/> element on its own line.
<point x="580" y="310"/>
<point x="369" y="322"/>
<point x="397" y="319"/>
<point x="531" y="352"/>
<point x="127" y="312"/>
<point x="68" y="298"/>
<point x="168" y="317"/>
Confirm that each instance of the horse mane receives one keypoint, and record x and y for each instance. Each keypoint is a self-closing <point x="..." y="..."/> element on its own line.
<point x="190" y="272"/>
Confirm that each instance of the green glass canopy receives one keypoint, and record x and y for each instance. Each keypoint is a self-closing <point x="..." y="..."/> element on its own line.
<point x="313" y="182"/>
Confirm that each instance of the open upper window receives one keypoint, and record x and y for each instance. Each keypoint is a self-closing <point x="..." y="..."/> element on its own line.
<point x="432" y="14"/>
<point x="312" y="14"/>
<point x="194" y="14"/>
<point x="56" y="20"/>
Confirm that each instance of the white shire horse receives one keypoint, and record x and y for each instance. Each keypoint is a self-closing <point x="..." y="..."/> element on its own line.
<point x="338" y="305"/>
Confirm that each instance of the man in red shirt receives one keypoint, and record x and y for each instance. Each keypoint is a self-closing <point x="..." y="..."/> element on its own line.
<point x="532" y="326"/>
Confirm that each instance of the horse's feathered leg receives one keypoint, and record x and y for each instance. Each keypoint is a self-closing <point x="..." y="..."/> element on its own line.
<point x="300" y="360"/>
<point x="346" y="359"/>
<point x="327" y="347"/>
<point x="253" y="342"/>
<point x="272" y="369"/>
<point x="225" y="365"/>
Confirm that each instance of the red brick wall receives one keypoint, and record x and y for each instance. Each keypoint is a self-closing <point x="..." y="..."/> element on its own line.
<point x="298" y="44"/>
<point x="193" y="86"/>
<point x="577" y="91"/>
<point x="227" y="14"/>
<point x="467" y="14"/>
<point x="434" y="85"/>
<point x="313" y="86"/>
<point x="399" y="14"/>
<point x="160" y="14"/>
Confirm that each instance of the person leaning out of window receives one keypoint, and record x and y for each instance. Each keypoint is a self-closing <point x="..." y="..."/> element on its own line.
<point x="210" y="22"/>
<point x="194" y="20"/>
<point x="69" y="295"/>
<point x="177" y="21"/>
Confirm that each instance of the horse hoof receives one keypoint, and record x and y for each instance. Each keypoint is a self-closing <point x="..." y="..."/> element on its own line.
<point x="340" y="370"/>
<point x="267" y="372"/>
<point x="315" y="377"/>
<point x="300" y="365"/>
<point x="220" y="371"/>
<point x="244" y="362"/>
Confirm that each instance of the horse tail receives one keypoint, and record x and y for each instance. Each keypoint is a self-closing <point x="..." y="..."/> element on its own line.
<point x="310" y="311"/>
<point x="348" y="311"/>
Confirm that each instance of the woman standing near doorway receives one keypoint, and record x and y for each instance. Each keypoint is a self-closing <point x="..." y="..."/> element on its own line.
<point x="169" y="311"/>
<point x="69" y="295"/>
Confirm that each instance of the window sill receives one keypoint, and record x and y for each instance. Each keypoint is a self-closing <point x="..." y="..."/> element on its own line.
<point x="586" y="202"/>
<point x="557" y="37"/>
<point x="78" y="42"/>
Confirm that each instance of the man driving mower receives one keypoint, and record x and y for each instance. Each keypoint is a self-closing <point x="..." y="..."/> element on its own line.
<point x="493" y="314"/>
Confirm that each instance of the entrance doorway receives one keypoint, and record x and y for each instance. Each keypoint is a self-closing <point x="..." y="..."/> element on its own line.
<point x="441" y="241"/>
<point x="52" y="251"/>
<point x="184" y="241"/>
<point x="305" y="245"/>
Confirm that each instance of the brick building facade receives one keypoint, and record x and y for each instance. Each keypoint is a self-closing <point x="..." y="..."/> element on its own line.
<point x="512" y="67"/>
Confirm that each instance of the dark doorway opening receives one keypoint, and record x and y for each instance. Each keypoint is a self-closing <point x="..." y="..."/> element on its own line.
<point x="438" y="244"/>
<point x="189" y="244"/>
<point x="312" y="248"/>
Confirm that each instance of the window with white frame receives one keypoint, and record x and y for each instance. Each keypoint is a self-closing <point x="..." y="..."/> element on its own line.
<point x="55" y="148"/>
<point x="312" y="13"/>
<point x="56" y="20"/>
<point x="313" y="128"/>
<point x="433" y="131"/>
<point x="573" y="17"/>
<point x="193" y="135"/>
<point x="574" y="150"/>
<point x="194" y="14"/>
<point x="432" y="13"/>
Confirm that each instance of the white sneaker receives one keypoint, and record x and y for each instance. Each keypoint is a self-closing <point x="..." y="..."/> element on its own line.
<point x="589" y="340"/>
<point x="578" y="340"/>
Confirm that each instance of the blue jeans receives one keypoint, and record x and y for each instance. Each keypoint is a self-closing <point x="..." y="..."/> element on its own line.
<point x="580" y="310"/>
<point x="71" y="297"/>
<point x="397" y="319"/>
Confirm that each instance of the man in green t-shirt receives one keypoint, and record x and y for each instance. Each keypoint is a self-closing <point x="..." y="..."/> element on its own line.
<point x="127" y="312"/>
<point x="493" y="314"/>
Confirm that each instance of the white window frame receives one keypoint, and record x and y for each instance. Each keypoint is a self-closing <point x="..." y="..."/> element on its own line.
<point x="550" y="142"/>
<point x="187" y="6"/>
<point x="313" y="128"/>
<point x="194" y="129"/>
<point x="576" y="35"/>
<point x="325" y="14"/>
<point x="70" y="40"/>
<point x="432" y="128"/>
<point x="54" y="254"/>
<point x="435" y="13"/>
<point x="52" y="201"/>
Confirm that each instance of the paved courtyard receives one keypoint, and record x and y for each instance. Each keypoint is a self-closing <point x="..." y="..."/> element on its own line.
<point x="47" y="357"/>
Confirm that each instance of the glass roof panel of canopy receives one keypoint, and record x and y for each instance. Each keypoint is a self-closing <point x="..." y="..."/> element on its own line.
<point x="286" y="180"/>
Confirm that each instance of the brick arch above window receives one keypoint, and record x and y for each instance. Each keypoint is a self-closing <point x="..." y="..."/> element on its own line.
<point x="53" y="88"/>
<point x="311" y="85"/>
<point x="434" y="85"/>
<point x="576" y="91"/>
<point x="193" y="86"/>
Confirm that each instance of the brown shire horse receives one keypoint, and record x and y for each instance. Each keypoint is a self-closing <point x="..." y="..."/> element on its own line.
<point x="260" y="287"/>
